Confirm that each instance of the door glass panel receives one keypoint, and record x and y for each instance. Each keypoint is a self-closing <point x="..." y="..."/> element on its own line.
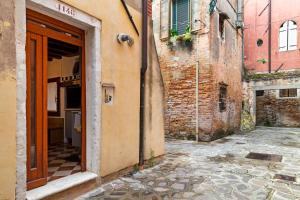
<point x="33" y="146"/>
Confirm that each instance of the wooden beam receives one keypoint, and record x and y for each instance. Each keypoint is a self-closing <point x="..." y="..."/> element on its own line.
<point x="53" y="55"/>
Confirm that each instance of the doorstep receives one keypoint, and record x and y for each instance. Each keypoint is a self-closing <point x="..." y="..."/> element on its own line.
<point x="60" y="185"/>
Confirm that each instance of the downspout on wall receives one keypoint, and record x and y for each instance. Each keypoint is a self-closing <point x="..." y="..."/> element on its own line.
<point x="270" y="37"/>
<point x="142" y="81"/>
<point x="240" y="18"/>
<point x="197" y="101"/>
<point x="197" y="91"/>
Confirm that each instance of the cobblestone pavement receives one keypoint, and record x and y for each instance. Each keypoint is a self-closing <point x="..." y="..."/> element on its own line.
<point x="216" y="170"/>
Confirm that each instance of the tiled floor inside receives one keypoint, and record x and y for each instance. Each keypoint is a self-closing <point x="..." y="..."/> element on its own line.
<point x="63" y="160"/>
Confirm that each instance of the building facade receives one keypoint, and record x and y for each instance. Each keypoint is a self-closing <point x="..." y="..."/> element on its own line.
<point x="70" y="109"/>
<point x="272" y="62"/>
<point x="285" y="35"/>
<point x="199" y="45"/>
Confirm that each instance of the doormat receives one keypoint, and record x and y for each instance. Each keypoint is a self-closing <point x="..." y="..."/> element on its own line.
<point x="265" y="156"/>
<point x="285" y="177"/>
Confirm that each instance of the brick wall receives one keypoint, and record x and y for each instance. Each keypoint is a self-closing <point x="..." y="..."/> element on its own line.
<point x="218" y="62"/>
<point x="274" y="111"/>
<point x="269" y="109"/>
<point x="149" y="8"/>
<point x="179" y="75"/>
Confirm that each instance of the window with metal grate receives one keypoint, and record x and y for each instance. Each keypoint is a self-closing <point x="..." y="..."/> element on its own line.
<point x="222" y="97"/>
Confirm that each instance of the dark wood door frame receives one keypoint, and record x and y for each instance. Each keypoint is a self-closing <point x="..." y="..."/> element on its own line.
<point x="76" y="37"/>
<point x="36" y="175"/>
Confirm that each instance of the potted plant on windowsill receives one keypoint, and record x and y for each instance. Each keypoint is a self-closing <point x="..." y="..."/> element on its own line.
<point x="185" y="39"/>
<point x="173" y="38"/>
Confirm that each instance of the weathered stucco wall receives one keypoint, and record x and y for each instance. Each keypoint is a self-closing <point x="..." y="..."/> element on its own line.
<point x="248" y="116"/>
<point x="154" y="103"/>
<point x="8" y="100"/>
<point x="219" y="62"/>
<point x="226" y="62"/>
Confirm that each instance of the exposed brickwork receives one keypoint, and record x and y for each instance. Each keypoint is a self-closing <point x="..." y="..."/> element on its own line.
<point x="179" y="78"/>
<point x="180" y="113"/>
<point x="219" y="62"/>
<point x="274" y="111"/>
<point x="270" y="109"/>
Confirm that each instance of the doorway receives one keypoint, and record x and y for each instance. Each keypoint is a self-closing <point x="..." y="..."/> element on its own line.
<point x="56" y="99"/>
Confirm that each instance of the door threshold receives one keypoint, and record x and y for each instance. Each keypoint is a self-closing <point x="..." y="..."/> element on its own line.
<point x="59" y="185"/>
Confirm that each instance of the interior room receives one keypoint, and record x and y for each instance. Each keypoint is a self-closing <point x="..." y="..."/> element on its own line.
<point x="64" y="109"/>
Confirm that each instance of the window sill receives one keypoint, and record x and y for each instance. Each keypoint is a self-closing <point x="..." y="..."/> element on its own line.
<point x="288" y="97"/>
<point x="60" y="185"/>
<point x="288" y="51"/>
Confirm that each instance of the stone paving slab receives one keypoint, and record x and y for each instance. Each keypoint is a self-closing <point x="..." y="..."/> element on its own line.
<point x="216" y="170"/>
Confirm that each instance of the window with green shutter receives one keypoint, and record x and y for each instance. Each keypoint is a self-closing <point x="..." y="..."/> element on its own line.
<point x="180" y="15"/>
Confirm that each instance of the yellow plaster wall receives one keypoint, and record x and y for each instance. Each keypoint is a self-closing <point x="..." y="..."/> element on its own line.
<point x="8" y="101"/>
<point x="8" y="135"/>
<point x="120" y="67"/>
<point x="154" y="104"/>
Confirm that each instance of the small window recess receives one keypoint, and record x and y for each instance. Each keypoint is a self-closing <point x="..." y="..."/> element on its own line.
<point x="222" y="17"/>
<point x="222" y="96"/>
<point x="288" y="93"/>
<point x="260" y="93"/>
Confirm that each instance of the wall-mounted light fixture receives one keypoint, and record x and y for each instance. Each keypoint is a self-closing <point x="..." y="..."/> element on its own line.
<point x="122" y="37"/>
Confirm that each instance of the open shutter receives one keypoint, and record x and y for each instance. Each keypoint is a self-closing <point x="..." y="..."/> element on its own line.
<point x="195" y="15"/>
<point x="164" y="18"/>
<point x="292" y="35"/>
<point x="283" y="38"/>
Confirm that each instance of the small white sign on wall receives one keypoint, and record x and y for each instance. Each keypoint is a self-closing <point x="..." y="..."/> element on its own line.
<point x="65" y="9"/>
<point x="108" y="94"/>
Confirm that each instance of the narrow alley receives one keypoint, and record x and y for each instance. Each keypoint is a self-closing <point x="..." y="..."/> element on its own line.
<point x="218" y="170"/>
<point x="150" y="100"/>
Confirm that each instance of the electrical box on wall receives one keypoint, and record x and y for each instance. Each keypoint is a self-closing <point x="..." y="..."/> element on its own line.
<point x="108" y="93"/>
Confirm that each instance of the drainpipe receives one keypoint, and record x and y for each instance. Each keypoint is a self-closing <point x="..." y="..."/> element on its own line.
<point x="241" y="18"/>
<point x="197" y="101"/>
<point x="197" y="90"/>
<point x="142" y="81"/>
<point x="270" y="37"/>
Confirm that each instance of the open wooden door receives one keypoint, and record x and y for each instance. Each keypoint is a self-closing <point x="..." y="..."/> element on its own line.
<point x="36" y="109"/>
<point x="41" y="28"/>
